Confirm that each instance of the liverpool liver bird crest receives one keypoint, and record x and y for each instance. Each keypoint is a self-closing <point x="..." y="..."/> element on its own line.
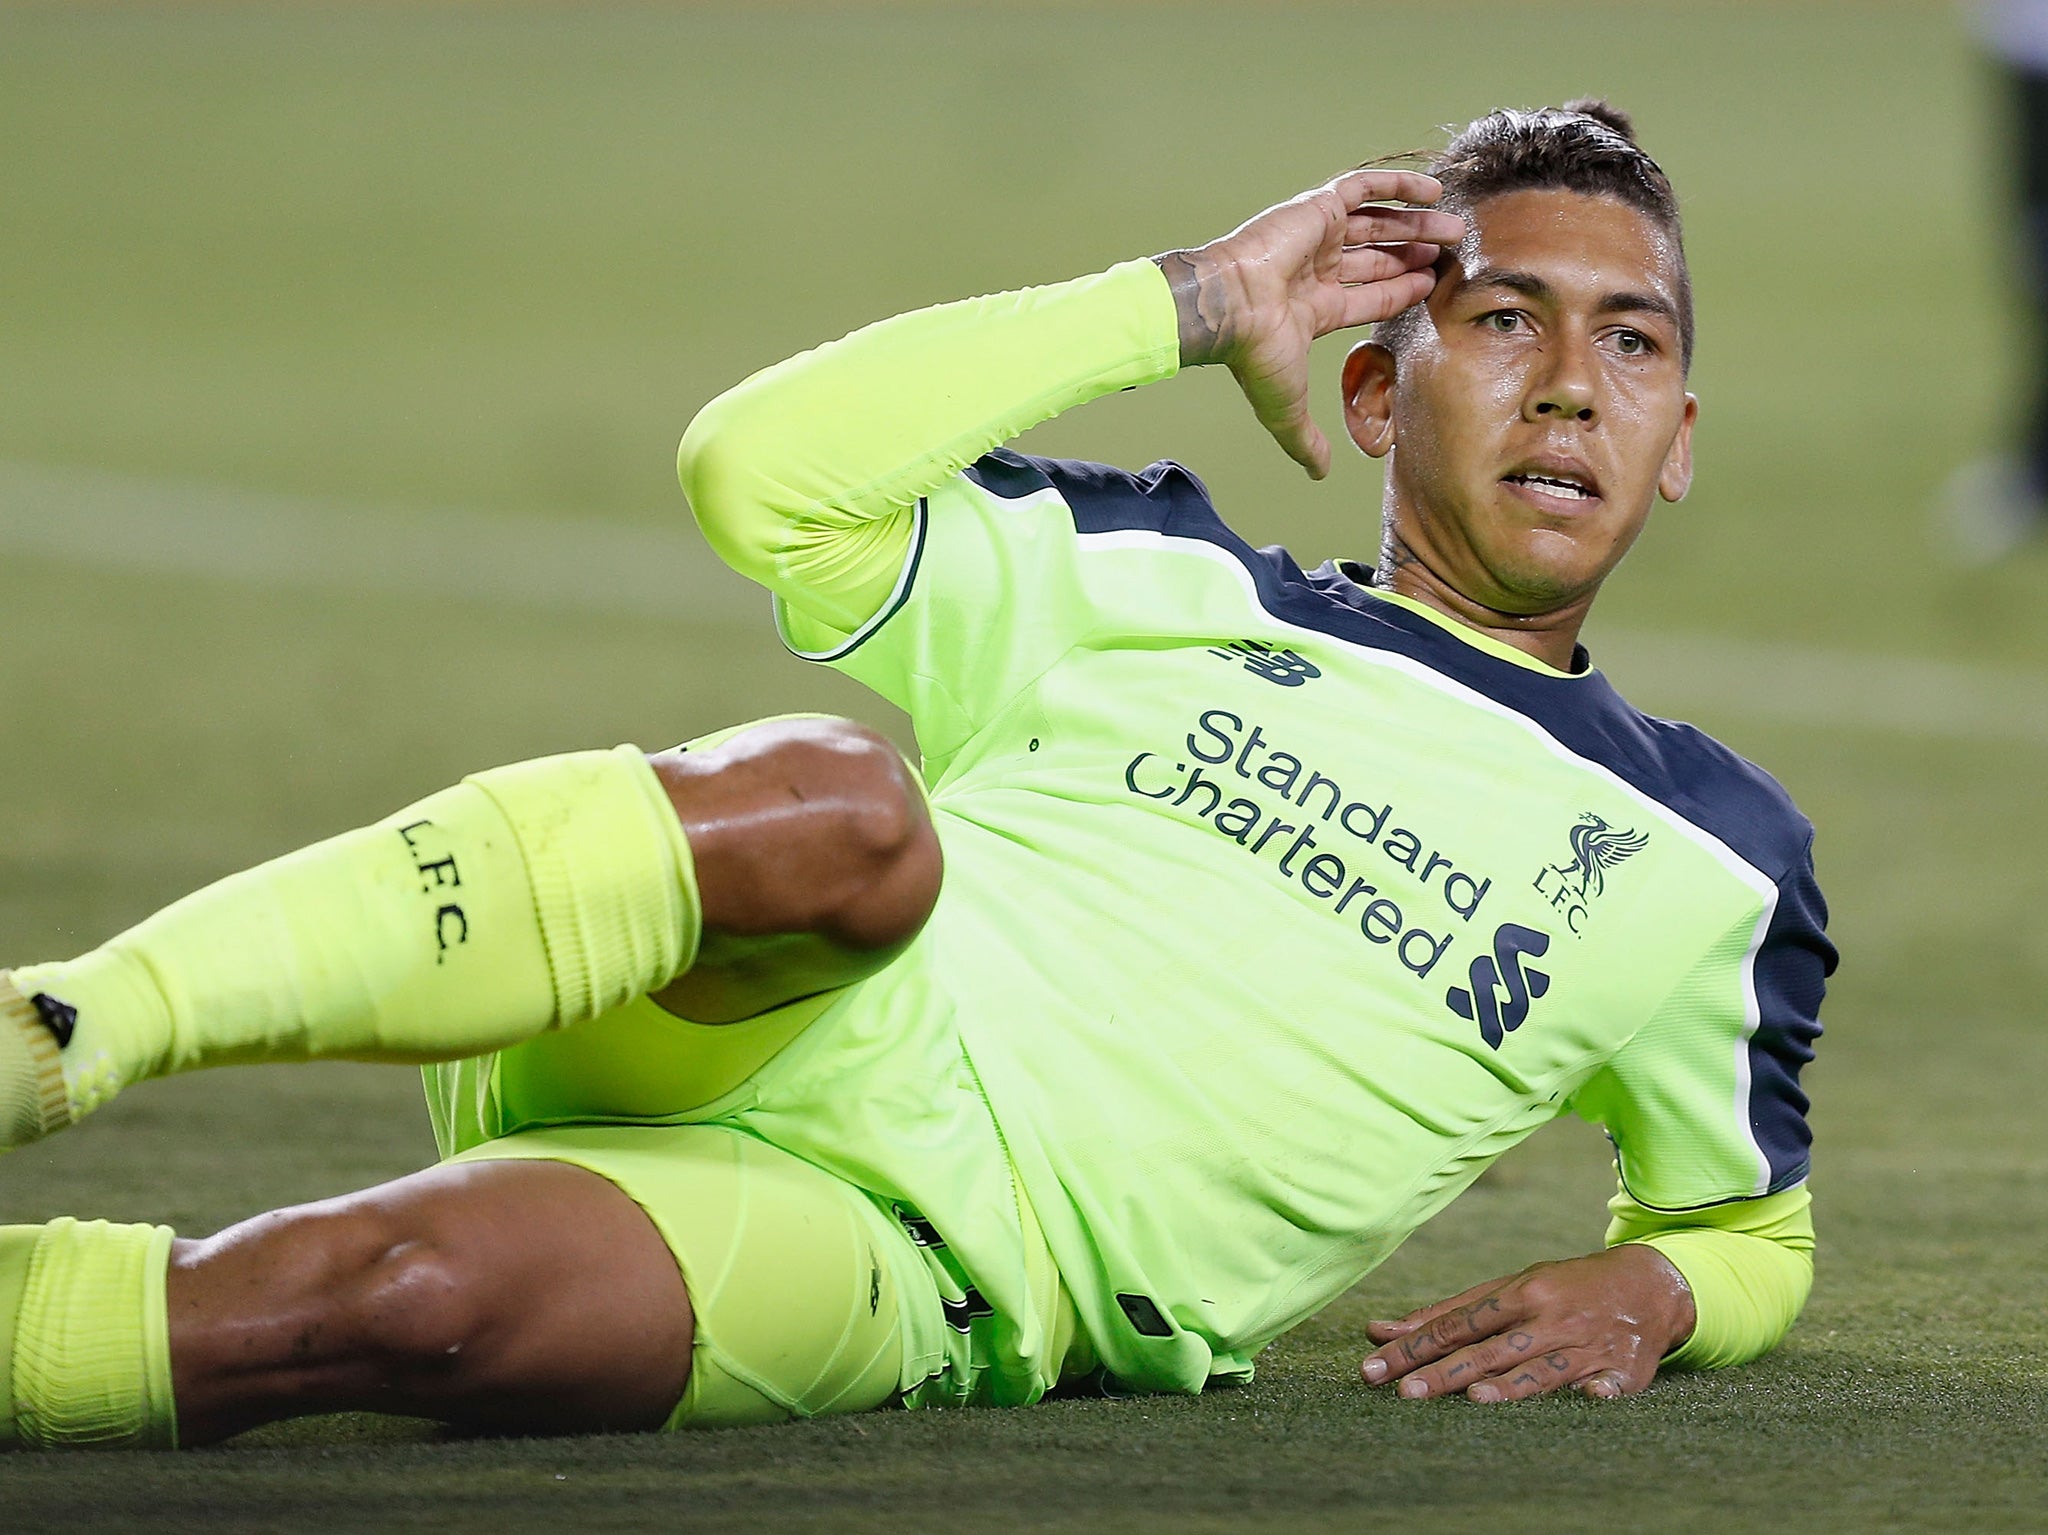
<point x="1596" y="848"/>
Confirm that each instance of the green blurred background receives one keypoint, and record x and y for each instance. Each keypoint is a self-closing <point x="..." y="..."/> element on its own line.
<point x="343" y="351"/>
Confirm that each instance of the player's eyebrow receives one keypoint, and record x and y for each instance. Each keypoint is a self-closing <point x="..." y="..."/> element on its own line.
<point x="1638" y="303"/>
<point x="1529" y="285"/>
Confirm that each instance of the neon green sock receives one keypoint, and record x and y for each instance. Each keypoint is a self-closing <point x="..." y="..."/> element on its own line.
<point x="85" y="1335"/>
<point x="524" y="898"/>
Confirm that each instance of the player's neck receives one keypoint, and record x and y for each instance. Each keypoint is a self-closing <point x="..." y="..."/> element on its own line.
<point x="1551" y="637"/>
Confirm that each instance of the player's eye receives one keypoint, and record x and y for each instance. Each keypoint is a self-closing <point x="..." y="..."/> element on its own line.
<point x="1633" y="343"/>
<point x="1504" y="322"/>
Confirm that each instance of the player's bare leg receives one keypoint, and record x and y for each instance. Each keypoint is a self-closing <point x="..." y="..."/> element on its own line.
<point x="814" y="863"/>
<point x="516" y="1296"/>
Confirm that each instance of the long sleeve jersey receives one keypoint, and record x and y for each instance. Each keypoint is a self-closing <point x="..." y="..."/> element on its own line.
<point x="1277" y="906"/>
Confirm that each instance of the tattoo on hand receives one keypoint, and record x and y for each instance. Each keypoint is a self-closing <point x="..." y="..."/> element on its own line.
<point x="1557" y="1362"/>
<point x="1521" y="1342"/>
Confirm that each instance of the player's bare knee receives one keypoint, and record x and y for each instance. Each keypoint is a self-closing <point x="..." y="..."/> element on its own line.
<point x="336" y="1284"/>
<point x="385" y="1291"/>
<point x="885" y="849"/>
<point x="416" y="1309"/>
<point x="808" y="826"/>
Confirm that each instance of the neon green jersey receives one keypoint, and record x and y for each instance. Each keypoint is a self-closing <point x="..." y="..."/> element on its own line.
<point x="1275" y="907"/>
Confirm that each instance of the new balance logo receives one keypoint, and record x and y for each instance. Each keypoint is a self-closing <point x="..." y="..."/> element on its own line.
<point x="1273" y="663"/>
<point x="1498" y="973"/>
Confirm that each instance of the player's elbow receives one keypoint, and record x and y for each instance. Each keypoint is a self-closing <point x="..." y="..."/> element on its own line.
<point x="720" y="465"/>
<point x="698" y="462"/>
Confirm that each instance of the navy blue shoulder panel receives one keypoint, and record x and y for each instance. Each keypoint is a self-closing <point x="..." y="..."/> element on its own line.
<point x="1678" y="766"/>
<point x="1674" y="764"/>
<point x="1166" y="498"/>
<point x="1791" y="975"/>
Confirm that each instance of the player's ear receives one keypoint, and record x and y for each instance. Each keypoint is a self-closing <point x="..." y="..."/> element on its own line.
<point x="1675" y="478"/>
<point x="1369" y="397"/>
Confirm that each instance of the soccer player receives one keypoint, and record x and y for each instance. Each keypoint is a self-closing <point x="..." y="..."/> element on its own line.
<point x="1275" y="905"/>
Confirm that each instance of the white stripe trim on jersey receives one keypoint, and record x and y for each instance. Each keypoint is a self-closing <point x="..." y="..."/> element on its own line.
<point x="898" y="595"/>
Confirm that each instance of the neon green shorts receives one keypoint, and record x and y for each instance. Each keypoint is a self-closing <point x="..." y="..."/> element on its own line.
<point x="797" y="1279"/>
<point x="811" y="1293"/>
<point x="809" y="1297"/>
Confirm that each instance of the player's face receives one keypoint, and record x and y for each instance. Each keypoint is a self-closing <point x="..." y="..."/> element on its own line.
<point x="1534" y="417"/>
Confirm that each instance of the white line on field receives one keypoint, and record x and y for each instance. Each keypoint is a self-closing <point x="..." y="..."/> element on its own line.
<point x="172" y="527"/>
<point x="175" y="527"/>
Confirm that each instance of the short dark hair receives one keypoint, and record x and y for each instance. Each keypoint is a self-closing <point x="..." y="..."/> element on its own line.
<point x="1586" y="146"/>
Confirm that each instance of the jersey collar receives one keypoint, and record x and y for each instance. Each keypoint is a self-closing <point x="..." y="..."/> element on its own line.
<point x="1352" y="573"/>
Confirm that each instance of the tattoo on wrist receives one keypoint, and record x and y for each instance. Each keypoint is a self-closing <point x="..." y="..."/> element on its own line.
<point x="1198" y="302"/>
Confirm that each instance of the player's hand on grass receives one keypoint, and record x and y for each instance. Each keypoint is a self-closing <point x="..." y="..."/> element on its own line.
<point x="1600" y="1323"/>
<point x="1345" y="254"/>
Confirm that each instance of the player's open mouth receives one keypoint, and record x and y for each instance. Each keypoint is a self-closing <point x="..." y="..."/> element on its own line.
<point x="1550" y="485"/>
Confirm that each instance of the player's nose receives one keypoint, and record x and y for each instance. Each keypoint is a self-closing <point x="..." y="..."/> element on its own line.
<point x="1566" y="386"/>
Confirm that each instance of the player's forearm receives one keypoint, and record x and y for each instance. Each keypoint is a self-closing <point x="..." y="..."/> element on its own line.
<point x="1749" y="1266"/>
<point x="805" y="476"/>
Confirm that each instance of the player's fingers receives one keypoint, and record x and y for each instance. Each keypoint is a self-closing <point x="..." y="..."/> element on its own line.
<point x="1447" y="1376"/>
<point x="1416" y="255"/>
<point x="1484" y="1359"/>
<point x="1379" y="184"/>
<point x="1531" y="1376"/>
<point x="1369" y="303"/>
<point x="1281" y="404"/>
<point x="1435" y="1309"/>
<point x="1376" y="263"/>
<point x="1414" y="1321"/>
<point x="1493" y="1315"/>
<point x="1306" y="445"/>
<point x="1608" y="1384"/>
<point x="1368" y="229"/>
<point x="1381" y="226"/>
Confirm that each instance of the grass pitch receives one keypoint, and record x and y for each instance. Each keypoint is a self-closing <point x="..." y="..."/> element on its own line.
<point x="491" y="259"/>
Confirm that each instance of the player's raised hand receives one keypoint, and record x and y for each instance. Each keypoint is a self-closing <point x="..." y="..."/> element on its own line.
<point x="1347" y="253"/>
<point x="1601" y="1323"/>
